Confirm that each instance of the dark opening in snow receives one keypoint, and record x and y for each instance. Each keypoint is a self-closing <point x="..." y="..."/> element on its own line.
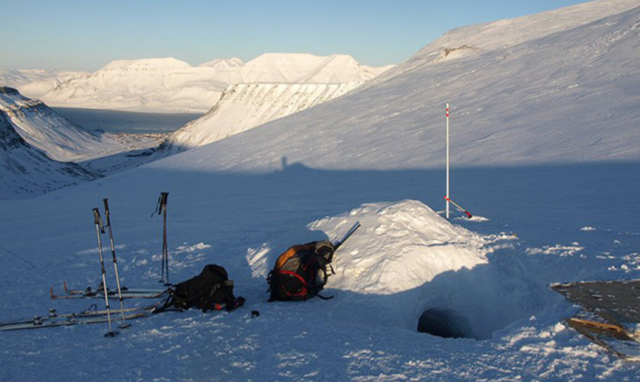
<point x="443" y="323"/>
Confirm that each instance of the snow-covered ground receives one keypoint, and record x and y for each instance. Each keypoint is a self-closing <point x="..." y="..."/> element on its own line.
<point x="404" y="260"/>
<point x="545" y="156"/>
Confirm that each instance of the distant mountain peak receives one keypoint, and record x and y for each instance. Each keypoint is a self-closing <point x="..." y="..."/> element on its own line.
<point x="222" y="63"/>
<point x="156" y="63"/>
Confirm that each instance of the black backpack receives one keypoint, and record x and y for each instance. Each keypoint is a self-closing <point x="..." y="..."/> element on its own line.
<point x="210" y="290"/>
<point x="301" y="272"/>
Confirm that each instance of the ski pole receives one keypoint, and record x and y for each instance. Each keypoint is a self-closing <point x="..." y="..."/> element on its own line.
<point x="115" y="262"/>
<point x="161" y="209"/>
<point x="347" y="235"/>
<point x="459" y="208"/>
<point x="99" y="230"/>
<point x="339" y="243"/>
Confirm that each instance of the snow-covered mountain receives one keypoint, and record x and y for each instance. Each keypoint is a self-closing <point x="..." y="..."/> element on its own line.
<point x="56" y="136"/>
<point x="544" y="95"/>
<point x="170" y="85"/>
<point x="545" y="155"/>
<point x="303" y="69"/>
<point x="142" y="85"/>
<point x="222" y="64"/>
<point x="27" y="172"/>
<point x="245" y="106"/>
<point x="35" y="82"/>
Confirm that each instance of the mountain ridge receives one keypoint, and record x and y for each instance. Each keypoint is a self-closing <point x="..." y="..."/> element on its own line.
<point x="171" y="85"/>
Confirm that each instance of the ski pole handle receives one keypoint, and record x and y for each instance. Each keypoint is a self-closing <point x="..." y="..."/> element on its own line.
<point x="97" y="219"/>
<point x="161" y="204"/>
<point x="106" y="212"/>
<point x="164" y="196"/>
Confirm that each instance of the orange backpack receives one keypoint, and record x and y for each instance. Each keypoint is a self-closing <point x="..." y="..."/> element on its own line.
<point x="301" y="272"/>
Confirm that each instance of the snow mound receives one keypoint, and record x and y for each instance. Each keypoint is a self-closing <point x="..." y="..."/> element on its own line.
<point x="406" y="260"/>
<point x="400" y="247"/>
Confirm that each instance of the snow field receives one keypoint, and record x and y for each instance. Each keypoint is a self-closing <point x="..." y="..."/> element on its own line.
<point x="535" y="161"/>
<point x="368" y="330"/>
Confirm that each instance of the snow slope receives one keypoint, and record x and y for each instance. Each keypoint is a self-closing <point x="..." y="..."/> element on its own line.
<point x="564" y="97"/>
<point x="373" y="155"/>
<point x="477" y="39"/>
<point x="27" y="172"/>
<point x="245" y="106"/>
<point x="170" y="85"/>
<point x="60" y="139"/>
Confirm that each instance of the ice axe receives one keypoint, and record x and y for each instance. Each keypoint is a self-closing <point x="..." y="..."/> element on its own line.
<point x="459" y="208"/>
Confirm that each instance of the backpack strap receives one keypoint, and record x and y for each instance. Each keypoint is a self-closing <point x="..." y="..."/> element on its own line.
<point x="171" y="303"/>
<point x="321" y="296"/>
<point x="305" y="286"/>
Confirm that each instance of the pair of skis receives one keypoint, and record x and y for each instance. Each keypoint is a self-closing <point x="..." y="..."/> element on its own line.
<point x="126" y="293"/>
<point x="89" y="316"/>
<point x="94" y="316"/>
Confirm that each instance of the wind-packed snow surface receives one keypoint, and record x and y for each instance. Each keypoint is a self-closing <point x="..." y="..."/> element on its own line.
<point x="171" y="85"/>
<point x="545" y="156"/>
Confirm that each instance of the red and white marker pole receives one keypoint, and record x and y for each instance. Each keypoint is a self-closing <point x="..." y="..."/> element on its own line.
<point x="460" y="208"/>
<point x="447" y="160"/>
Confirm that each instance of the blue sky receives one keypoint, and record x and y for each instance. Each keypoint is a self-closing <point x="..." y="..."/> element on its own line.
<point x="88" y="34"/>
